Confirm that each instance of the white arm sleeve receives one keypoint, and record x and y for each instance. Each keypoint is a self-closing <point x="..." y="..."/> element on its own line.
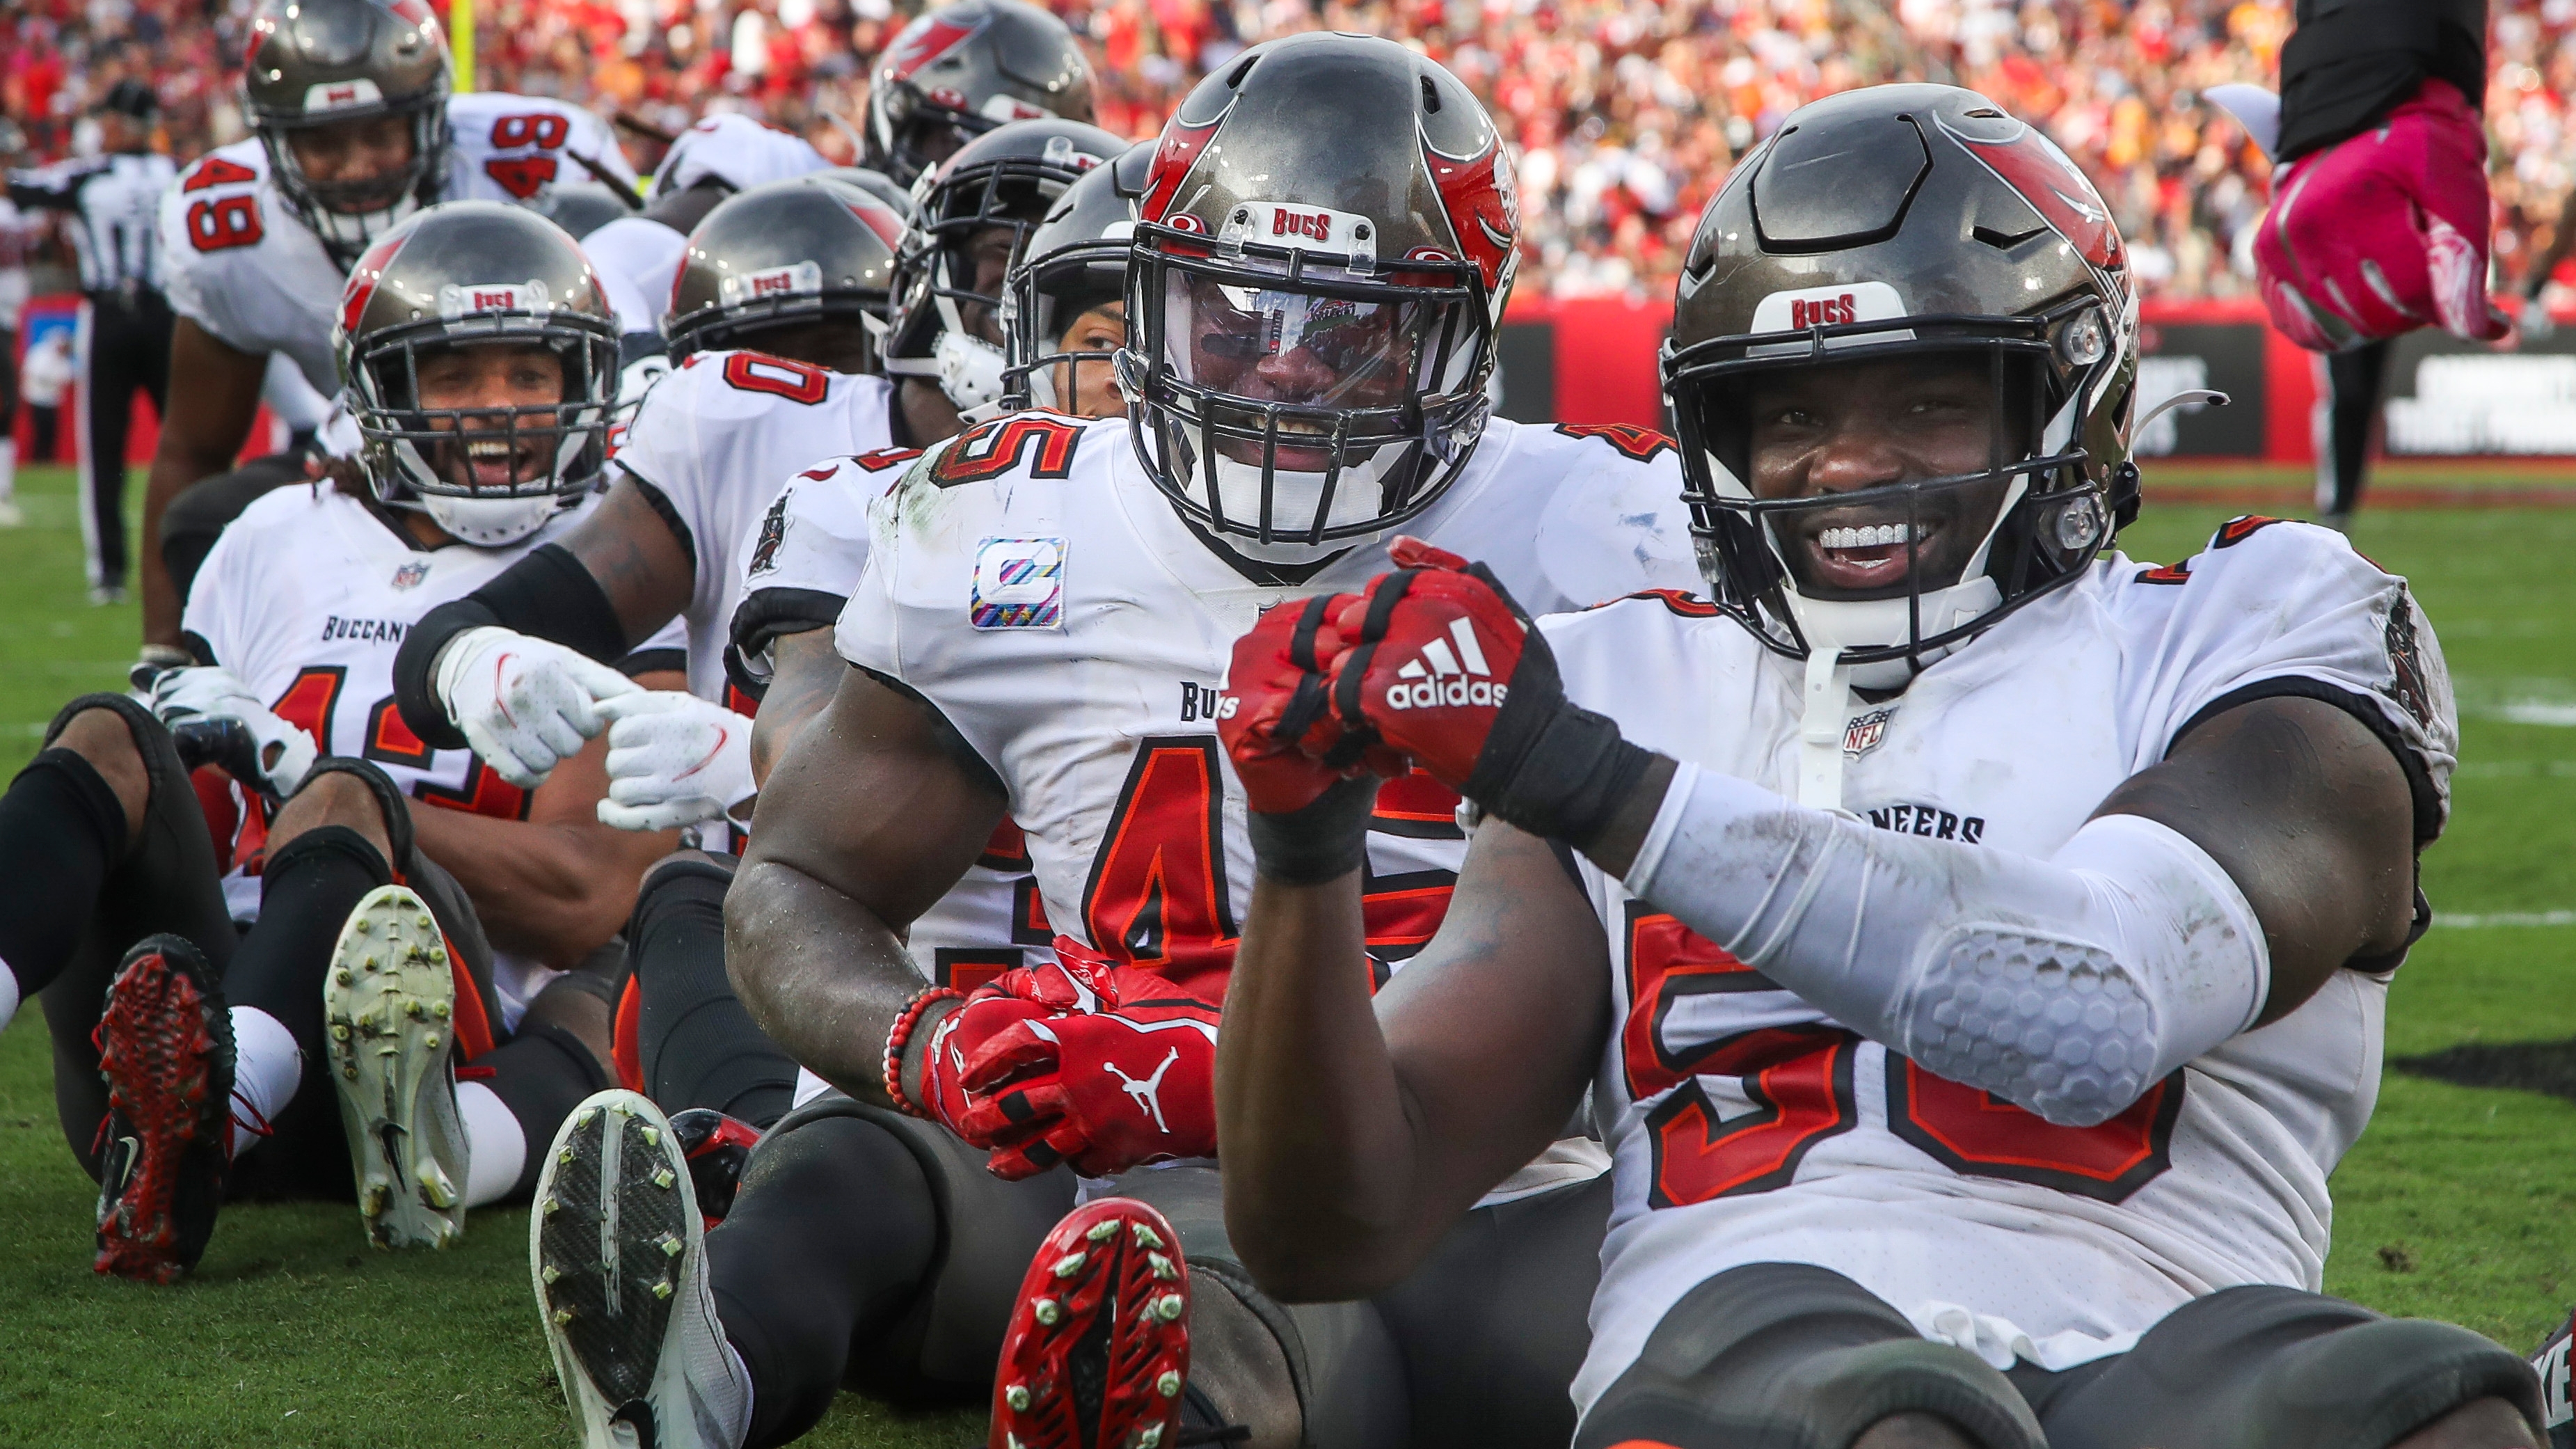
<point x="2067" y="986"/>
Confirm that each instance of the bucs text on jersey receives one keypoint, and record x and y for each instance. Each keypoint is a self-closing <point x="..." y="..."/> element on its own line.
<point x="713" y="440"/>
<point x="1748" y="1128"/>
<point x="242" y="267"/>
<point x="1030" y="582"/>
<point x="305" y="598"/>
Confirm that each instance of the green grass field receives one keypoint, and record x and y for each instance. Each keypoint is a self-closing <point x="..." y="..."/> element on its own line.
<point x="2460" y="1203"/>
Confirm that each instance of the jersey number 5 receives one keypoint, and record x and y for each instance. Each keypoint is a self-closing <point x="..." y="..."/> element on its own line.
<point x="1798" y="1079"/>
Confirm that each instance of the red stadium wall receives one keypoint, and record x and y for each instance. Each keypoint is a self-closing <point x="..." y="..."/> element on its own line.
<point x="140" y="440"/>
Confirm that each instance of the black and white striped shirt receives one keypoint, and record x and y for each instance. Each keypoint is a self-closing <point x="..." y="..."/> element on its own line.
<point x="115" y="200"/>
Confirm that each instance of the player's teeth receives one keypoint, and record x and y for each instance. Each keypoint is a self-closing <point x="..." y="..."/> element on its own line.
<point x="1876" y="535"/>
<point x="487" y="450"/>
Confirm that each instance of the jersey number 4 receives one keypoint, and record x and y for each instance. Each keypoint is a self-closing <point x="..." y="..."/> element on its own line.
<point x="1158" y="898"/>
<point x="309" y="704"/>
<point x="1799" y="1081"/>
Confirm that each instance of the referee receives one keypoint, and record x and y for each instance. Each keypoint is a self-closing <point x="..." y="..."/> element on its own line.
<point x="124" y="338"/>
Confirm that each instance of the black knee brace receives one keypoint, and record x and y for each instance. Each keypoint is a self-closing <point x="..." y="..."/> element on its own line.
<point x="696" y="1043"/>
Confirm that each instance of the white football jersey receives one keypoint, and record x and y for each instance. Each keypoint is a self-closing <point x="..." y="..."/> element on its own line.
<point x="713" y="440"/>
<point x="644" y="255"/>
<point x="1031" y="582"/>
<point x="241" y="265"/>
<point x="1749" y="1128"/>
<point x="305" y="598"/>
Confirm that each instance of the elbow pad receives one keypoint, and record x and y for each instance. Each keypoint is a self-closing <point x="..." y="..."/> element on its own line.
<point x="2066" y="986"/>
<point x="547" y="595"/>
<point x="2351" y="62"/>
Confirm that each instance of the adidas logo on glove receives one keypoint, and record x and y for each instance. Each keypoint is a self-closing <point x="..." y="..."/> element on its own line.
<point x="1441" y="675"/>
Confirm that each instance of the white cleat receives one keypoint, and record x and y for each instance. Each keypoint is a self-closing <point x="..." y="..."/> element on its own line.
<point x="389" y="1005"/>
<point x="617" y="1252"/>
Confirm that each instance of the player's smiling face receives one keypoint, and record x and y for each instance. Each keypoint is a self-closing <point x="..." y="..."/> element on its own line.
<point x="473" y="390"/>
<point x="1820" y="431"/>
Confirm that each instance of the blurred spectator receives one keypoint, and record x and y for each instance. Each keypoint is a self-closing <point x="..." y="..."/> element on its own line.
<point x="1627" y="112"/>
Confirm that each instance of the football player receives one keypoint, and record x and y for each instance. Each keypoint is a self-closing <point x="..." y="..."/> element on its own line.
<point x="955" y="73"/>
<point x="478" y="352"/>
<point x="1978" y="943"/>
<point x="714" y="159"/>
<point x="1041" y="628"/>
<point x="354" y="130"/>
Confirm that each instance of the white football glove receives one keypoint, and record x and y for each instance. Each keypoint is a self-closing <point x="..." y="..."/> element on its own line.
<point x="673" y="759"/>
<point x="523" y="704"/>
<point x="212" y="692"/>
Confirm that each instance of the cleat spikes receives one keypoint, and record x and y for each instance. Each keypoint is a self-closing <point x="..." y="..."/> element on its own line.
<point x="1162" y="1267"/>
<point x="1047" y="1311"/>
<point x="1069" y="1264"/>
<point x="662" y="1289"/>
<point x="671" y="1245"/>
<point x="1102" y="1232"/>
<point x="1146" y="1237"/>
<point x="1017" y="1396"/>
<point x="563" y="1316"/>
<point x="1169" y="1385"/>
<point x="1169" y="1306"/>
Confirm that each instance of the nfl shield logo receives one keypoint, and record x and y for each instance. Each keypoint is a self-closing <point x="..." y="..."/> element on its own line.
<point x="1864" y="732"/>
<point x="410" y="574"/>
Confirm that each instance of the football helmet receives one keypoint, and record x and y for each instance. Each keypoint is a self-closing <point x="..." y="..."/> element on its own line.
<point x="962" y="69"/>
<point x="1311" y="307"/>
<point x="316" y="63"/>
<point x="1073" y="262"/>
<point x="1898" y="221"/>
<point x="876" y="184"/>
<point x="464" y="274"/>
<point x="947" y="286"/>
<point x="583" y="207"/>
<point x="787" y="252"/>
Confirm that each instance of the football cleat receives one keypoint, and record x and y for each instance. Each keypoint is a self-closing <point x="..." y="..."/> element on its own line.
<point x="165" y="1047"/>
<point x="717" y="1147"/>
<point x="618" y="1255"/>
<point x="1098" y="1347"/>
<point x="389" y="1006"/>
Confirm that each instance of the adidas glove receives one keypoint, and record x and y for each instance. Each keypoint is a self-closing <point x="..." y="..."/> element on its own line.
<point x="1438" y="663"/>
<point x="673" y="759"/>
<point x="281" y="753"/>
<point x="523" y="704"/>
<point x="1309" y="802"/>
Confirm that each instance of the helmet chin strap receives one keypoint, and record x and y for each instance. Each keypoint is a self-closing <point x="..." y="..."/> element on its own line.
<point x="1823" y="718"/>
<point x="489" y="522"/>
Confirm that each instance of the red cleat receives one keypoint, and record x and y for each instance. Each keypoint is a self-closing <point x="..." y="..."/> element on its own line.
<point x="1099" y="1342"/>
<point x="165" y="1046"/>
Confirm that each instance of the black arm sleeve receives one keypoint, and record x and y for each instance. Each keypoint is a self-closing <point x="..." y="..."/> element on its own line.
<point x="547" y="595"/>
<point x="2351" y="62"/>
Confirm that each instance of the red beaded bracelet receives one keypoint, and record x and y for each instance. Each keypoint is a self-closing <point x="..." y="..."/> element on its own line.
<point x="902" y="1034"/>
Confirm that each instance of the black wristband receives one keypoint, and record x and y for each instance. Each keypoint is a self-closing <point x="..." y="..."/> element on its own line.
<point x="1324" y="841"/>
<point x="1570" y="782"/>
<point x="415" y="665"/>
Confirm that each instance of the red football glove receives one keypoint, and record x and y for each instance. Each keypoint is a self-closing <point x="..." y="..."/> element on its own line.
<point x="2385" y="232"/>
<point x="987" y="1012"/>
<point x="1278" y="726"/>
<point x="1428" y="656"/>
<point x="1120" y="1072"/>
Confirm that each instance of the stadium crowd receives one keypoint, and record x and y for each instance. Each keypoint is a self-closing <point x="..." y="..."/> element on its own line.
<point x="1627" y="113"/>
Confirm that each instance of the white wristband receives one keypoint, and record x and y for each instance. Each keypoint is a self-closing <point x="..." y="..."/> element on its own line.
<point x="2068" y="985"/>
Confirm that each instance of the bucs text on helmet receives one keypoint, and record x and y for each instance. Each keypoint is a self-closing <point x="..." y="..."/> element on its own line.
<point x="971" y="217"/>
<point x="1075" y="261"/>
<point x="469" y="274"/>
<point x="1915" y="222"/>
<point x="962" y="69"/>
<point x="316" y="63"/>
<point x="781" y="255"/>
<point x="1312" y="302"/>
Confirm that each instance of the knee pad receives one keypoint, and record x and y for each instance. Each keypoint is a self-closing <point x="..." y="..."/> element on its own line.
<point x="675" y="882"/>
<point x="161" y="763"/>
<point x="2369" y="1385"/>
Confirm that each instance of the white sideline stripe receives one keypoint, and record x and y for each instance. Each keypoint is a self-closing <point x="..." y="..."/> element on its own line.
<point x="2468" y="921"/>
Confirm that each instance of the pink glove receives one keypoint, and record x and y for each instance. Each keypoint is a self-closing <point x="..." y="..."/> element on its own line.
<point x="1122" y="1074"/>
<point x="2383" y="233"/>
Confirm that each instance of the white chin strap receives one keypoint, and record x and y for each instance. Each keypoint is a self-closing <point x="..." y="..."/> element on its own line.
<point x="489" y="522"/>
<point x="1834" y="626"/>
<point x="970" y="369"/>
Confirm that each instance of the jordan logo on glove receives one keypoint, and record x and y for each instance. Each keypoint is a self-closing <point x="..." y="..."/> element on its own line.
<point x="1148" y="1091"/>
